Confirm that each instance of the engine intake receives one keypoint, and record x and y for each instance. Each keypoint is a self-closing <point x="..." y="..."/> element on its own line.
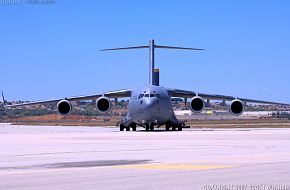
<point x="64" y="107"/>
<point x="197" y="104"/>
<point x="236" y="107"/>
<point x="103" y="105"/>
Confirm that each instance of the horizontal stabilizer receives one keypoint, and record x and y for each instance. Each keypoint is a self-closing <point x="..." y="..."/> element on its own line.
<point x="125" y="48"/>
<point x="172" y="47"/>
<point x="155" y="46"/>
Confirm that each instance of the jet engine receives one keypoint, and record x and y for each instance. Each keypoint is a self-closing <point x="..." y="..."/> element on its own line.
<point x="64" y="107"/>
<point x="236" y="107"/>
<point x="197" y="104"/>
<point x="103" y="104"/>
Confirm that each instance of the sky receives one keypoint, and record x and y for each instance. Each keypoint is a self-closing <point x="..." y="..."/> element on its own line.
<point x="52" y="50"/>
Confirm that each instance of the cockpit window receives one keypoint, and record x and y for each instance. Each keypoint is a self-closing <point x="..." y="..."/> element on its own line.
<point x="149" y="95"/>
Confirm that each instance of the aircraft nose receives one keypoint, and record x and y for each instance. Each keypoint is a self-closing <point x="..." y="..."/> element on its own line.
<point x="149" y="104"/>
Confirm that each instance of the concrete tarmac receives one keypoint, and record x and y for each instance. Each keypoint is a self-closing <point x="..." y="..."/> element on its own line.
<point x="46" y="157"/>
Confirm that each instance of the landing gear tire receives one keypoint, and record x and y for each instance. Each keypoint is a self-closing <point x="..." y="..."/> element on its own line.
<point x="127" y="128"/>
<point x="151" y="127"/>
<point x="122" y="127"/>
<point x="167" y="126"/>
<point x="134" y="127"/>
<point x="147" y="127"/>
<point x="179" y="128"/>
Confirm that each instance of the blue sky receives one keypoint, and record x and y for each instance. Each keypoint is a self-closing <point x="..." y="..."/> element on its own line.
<point x="51" y="51"/>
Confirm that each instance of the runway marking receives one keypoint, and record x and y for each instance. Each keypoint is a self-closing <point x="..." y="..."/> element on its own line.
<point x="186" y="167"/>
<point x="174" y="166"/>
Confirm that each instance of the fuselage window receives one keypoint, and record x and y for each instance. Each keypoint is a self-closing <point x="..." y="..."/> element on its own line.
<point x="140" y="96"/>
<point x="147" y="95"/>
<point x="152" y="95"/>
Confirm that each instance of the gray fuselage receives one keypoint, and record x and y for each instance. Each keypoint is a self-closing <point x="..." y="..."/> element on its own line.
<point x="150" y="105"/>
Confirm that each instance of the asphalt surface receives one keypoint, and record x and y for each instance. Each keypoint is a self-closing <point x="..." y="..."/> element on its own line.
<point x="44" y="157"/>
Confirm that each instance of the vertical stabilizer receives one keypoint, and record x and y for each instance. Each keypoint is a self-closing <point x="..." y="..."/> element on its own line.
<point x="151" y="61"/>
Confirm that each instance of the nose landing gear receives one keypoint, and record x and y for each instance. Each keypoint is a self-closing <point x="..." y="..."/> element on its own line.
<point x="149" y="127"/>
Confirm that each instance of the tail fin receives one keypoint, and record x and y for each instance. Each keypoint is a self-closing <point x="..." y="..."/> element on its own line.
<point x="151" y="47"/>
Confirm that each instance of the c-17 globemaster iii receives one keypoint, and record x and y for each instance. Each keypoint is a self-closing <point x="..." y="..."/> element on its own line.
<point x="150" y="105"/>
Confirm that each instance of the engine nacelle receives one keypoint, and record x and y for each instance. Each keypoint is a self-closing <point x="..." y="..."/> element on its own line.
<point x="197" y="104"/>
<point x="236" y="107"/>
<point x="103" y="104"/>
<point x="64" y="107"/>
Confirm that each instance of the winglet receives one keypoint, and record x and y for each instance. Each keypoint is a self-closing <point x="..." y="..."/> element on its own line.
<point x="3" y="99"/>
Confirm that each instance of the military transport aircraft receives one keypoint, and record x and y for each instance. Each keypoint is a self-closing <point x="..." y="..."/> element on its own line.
<point x="150" y="105"/>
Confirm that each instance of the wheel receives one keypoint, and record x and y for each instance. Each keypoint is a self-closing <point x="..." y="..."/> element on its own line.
<point x="151" y="127"/>
<point x="127" y="128"/>
<point x="147" y="127"/>
<point x="173" y="128"/>
<point x="134" y="127"/>
<point x="121" y="127"/>
<point x="179" y="128"/>
<point x="167" y="126"/>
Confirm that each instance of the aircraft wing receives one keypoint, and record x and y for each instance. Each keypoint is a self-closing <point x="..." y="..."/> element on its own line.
<point x="112" y="94"/>
<point x="190" y="94"/>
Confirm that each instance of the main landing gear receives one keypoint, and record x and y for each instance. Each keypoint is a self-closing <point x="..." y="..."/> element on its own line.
<point x="174" y="127"/>
<point x="132" y="126"/>
<point x="168" y="126"/>
<point x="150" y="127"/>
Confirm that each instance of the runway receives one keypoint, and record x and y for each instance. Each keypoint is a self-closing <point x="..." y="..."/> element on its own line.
<point x="46" y="157"/>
